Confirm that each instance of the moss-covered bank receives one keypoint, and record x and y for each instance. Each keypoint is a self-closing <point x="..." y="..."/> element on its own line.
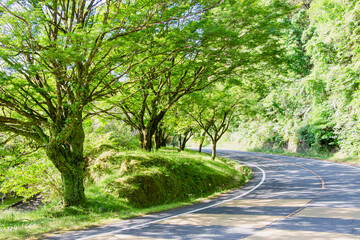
<point x="148" y="179"/>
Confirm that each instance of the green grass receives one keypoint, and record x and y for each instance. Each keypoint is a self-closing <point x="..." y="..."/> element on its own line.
<point x="197" y="176"/>
<point x="8" y="202"/>
<point x="334" y="157"/>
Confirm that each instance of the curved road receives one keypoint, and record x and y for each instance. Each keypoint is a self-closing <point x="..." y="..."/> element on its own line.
<point x="289" y="197"/>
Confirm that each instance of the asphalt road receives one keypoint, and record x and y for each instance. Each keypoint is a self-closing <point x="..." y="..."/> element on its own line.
<point x="289" y="198"/>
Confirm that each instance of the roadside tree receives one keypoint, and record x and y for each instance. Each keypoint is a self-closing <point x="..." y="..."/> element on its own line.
<point x="214" y="111"/>
<point x="57" y="58"/>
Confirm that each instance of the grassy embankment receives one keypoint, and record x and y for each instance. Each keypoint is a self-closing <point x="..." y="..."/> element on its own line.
<point x="127" y="184"/>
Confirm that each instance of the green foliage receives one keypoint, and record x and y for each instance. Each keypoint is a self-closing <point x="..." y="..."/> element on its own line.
<point x="24" y="171"/>
<point x="220" y="45"/>
<point x="34" y="175"/>
<point x="103" y="131"/>
<point x="274" y="140"/>
<point x="53" y="76"/>
<point x="315" y="110"/>
<point x="278" y="75"/>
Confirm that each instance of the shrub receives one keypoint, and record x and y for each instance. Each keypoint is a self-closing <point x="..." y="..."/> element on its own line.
<point x="317" y="138"/>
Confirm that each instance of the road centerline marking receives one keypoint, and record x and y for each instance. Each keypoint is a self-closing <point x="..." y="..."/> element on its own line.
<point x="306" y="204"/>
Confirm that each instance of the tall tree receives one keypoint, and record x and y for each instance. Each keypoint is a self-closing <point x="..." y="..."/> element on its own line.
<point x="58" y="57"/>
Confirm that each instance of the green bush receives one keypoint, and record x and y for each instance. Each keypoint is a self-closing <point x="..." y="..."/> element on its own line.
<point x="35" y="175"/>
<point x="275" y="141"/>
<point x="317" y="138"/>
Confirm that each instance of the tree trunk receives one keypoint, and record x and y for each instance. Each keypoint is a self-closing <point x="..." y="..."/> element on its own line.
<point x="141" y="139"/>
<point x="156" y="142"/>
<point x="180" y="142"/>
<point x="183" y="145"/>
<point x="158" y="138"/>
<point x="73" y="186"/>
<point x="173" y="141"/>
<point x="201" y="144"/>
<point x="202" y="139"/>
<point x="147" y="143"/>
<point x="69" y="160"/>
<point x="164" y="140"/>
<point x="213" y="154"/>
<point x="149" y="130"/>
<point x="186" y="138"/>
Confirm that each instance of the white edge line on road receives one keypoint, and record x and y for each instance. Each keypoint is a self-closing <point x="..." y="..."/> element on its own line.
<point x="192" y="211"/>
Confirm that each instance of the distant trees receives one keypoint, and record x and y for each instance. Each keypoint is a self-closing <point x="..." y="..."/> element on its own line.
<point x="159" y="88"/>
<point x="316" y="108"/>
<point x="334" y="83"/>
<point x="214" y="111"/>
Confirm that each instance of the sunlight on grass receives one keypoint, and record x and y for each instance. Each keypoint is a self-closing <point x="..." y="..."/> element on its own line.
<point x="8" y="202"/>
<point x="105" y="206"/>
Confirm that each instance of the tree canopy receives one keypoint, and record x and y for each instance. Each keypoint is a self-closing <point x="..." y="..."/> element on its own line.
<point x="58" y="57"/>
<point x="267" y="74"/>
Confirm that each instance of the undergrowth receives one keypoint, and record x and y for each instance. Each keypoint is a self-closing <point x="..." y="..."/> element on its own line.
<point x="127" y="184"/>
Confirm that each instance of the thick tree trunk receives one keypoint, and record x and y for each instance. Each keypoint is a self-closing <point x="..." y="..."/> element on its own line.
<point x="213" y="154"/>
<point x="173" y="141"/>
<point x="160" y="138"/>
<point x="149" y="130"/>
<point x="73" y="186"/>
<point x="184" y="141"/>
<point x="147" y="144"/>
<point x="69" y="160"/>
<point x="156" y="142"/>
<point x="201" y="143"/>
